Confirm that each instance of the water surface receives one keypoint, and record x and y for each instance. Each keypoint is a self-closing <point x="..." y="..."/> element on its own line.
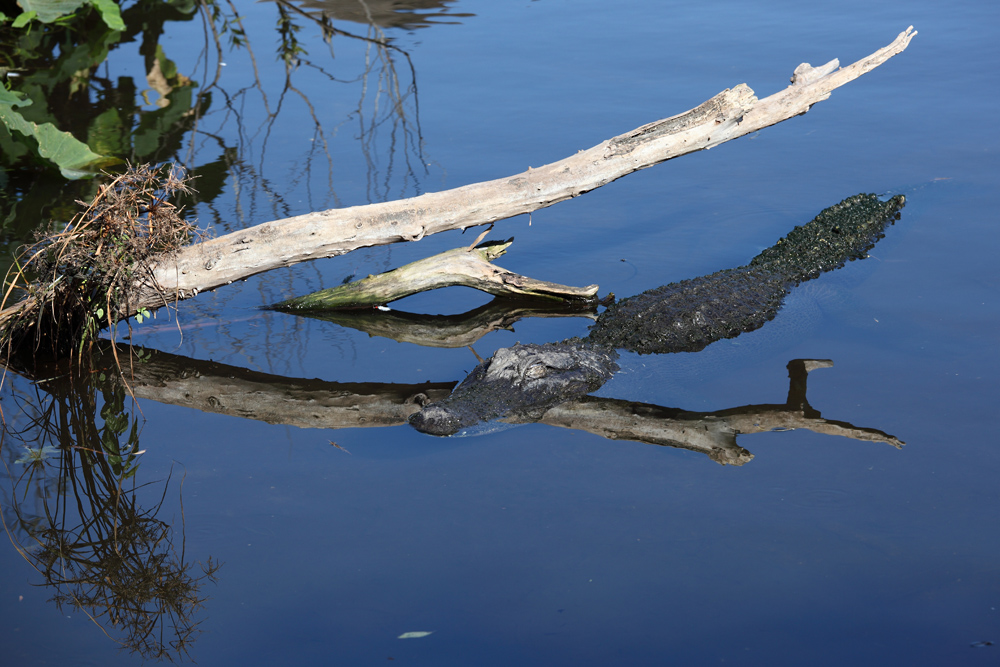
<point x="545" y="545"/>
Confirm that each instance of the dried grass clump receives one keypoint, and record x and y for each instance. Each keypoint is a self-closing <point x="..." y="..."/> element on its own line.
<point x="77" y="280"/>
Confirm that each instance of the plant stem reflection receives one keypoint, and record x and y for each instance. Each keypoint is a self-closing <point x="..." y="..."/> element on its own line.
<point x="74" y="509"/>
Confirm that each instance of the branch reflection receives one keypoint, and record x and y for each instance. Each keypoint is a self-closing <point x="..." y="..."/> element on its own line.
<point x="407" y="14"/>
<point x="74" y="509"/>
<point x="449" y="331"/>
<point x="710" y="433"/>
<point x="219" y="388"/>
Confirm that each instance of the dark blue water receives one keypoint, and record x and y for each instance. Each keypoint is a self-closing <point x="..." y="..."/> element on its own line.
<point x="545" y="545"/>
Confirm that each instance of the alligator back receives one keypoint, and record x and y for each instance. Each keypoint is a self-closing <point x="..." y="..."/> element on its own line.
<point x="688" y="315"/>
<point x="521" y="382"/>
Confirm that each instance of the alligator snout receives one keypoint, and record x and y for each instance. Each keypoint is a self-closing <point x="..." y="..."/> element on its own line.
<point x="519" y="383"/>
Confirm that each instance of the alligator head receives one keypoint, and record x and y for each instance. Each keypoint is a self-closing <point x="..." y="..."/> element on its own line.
<point x="519" y="383"/>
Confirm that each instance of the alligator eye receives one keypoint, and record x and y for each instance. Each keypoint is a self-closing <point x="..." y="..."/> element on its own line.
<point x="535" y="371"/>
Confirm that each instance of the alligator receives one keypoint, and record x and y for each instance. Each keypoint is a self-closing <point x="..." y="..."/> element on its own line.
<point x="522" y="382"/>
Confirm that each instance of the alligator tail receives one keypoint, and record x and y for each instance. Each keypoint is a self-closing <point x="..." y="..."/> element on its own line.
<point x="839" y="234"/>
<point x="689" y="315"/>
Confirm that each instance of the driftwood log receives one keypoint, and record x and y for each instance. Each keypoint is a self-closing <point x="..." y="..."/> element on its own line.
<point x="462" y="267"/>
<point x="731" y="114"/>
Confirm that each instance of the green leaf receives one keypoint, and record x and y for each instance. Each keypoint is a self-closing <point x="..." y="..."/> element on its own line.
<point x="110" y="12"/>
<point x="73" y="157"/>
<point x="23" y="19"/>
<point x="13" y="98"/>
<point x="48" y="11"/>
<point x="107" y="134"/>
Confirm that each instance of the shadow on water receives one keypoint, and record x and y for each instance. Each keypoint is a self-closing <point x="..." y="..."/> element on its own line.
<point x="75" y="509"/>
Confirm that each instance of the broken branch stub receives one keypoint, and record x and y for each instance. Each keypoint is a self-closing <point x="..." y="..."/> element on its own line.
<point x="463" y="267"/>
<point x="730" y="114"/>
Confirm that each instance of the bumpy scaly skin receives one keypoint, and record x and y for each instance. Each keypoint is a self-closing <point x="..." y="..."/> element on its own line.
<point x="687" y="316"/>
<point x="524" y="381"/>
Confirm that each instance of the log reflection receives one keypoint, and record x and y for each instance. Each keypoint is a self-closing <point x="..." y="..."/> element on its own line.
<point x="710" y="433"/>
<point x="449" y="331"/>
<point x="238" y="392"/>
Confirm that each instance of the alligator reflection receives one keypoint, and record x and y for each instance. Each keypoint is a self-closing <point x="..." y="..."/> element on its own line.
<point x="77" y="514"/>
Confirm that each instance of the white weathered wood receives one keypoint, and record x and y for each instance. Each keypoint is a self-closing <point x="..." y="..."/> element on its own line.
<point x="464" y="267"/>
<point x="732" y="113"/>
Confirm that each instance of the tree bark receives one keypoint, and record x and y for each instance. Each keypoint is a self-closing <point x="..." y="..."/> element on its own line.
<point x="464" y="267"/>
<point x="730" y="114"/>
